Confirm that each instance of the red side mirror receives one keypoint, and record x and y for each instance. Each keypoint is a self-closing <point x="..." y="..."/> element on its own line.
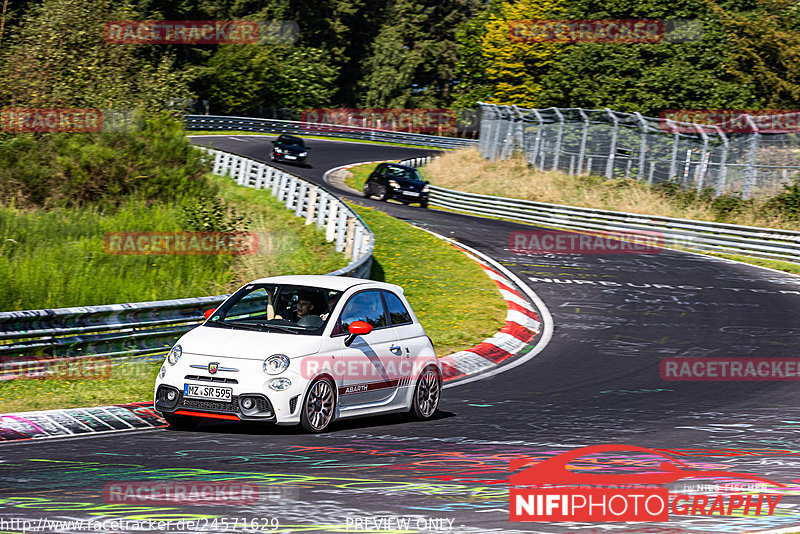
<point x="209" y="313"/>
<point x="359" y="328"/>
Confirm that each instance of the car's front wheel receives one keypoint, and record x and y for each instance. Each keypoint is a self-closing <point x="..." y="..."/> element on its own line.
<point x="181" y="421"/>
<point x="319" y="406"/>
<point x="426" y="394"/>
<point x="384" y="193"/>
<point x="367" y="193"/>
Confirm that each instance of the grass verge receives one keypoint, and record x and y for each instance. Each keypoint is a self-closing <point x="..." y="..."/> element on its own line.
<point x="451" y="295"/>
<point x="465" y="170"/>
<point x="55" y="258"/>
<point x="455" y="301"/>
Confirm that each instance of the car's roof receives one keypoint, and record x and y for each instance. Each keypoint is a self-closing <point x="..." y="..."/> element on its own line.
<point x="339" y="283"/>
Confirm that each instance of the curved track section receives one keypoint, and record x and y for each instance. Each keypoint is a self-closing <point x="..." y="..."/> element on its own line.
<point x="616" y="317"/>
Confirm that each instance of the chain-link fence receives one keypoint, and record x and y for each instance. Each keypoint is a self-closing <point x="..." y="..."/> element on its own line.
<point x="629" y="145"/>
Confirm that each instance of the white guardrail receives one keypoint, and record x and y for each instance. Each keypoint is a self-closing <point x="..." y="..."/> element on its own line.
<point x="700" y="235"/>
<point x="247" y="124"/>
<point x="145" y="328"/>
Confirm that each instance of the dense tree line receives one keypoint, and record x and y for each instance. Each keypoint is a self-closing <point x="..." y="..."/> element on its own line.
<point x="404" y="53"/>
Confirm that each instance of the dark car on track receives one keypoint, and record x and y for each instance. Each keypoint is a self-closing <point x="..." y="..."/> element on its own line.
<point x="289" y="148"/>
<point x="400" y="182"/>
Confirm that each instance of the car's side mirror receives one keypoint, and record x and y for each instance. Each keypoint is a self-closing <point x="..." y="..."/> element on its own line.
<point x="357" y="328"/>
<point x="209" y="313"/>
<point x="273" y="141"/>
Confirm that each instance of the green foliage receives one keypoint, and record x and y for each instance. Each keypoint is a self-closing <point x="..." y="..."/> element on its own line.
<point x="787" y="204"/>
<point x="58" y="58"/>
<point x="156" y="163"/>
<point x="728" y="206"/>
<point x="212" y="214"/>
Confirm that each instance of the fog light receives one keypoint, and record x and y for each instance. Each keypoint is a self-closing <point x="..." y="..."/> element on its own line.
<point x="280" y="384"/>
<point x="248" y="403"/>
<point x="171" y="395"/>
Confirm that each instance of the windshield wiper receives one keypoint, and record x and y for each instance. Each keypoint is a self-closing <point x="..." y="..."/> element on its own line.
<point x="257" y="327"/>
<point x="279" y="328"/>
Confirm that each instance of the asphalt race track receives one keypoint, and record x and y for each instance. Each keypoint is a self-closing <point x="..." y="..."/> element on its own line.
<point x="597" y="382"/>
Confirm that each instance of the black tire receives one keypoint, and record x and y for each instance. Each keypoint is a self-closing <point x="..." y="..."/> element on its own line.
<point x="318" y="407"/>
<point x="181" y="421"/>
<point x="423" y="204"/>
<point x="383" y="195"/>
<point x="367" y="194"/>
<point x="427" y="393"/>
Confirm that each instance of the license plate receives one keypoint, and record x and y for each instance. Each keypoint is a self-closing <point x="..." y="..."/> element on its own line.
<point x="207" y="392"/>
<point x="412" y="193"/>
<point x="290" y="157"/>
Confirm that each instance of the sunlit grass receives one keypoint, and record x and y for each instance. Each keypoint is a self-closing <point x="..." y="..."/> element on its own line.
<point x="455" y="301"/>
<point x="55" y="258"/>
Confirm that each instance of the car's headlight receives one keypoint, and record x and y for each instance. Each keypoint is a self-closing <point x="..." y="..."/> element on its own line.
<point x="276" y="364"/>
<point x="280" y="384"/>
<point x="426" y="189"/>
<point x="394" y="183"/>
<point x="303" y="154"/>
<point x="174" y="354"/>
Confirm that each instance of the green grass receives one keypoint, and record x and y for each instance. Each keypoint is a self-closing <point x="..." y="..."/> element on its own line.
<point x="55" y="258"/>
<point x="328" y="138"/>
<point x="455" y="301"/>
<point x="358" y="176"/>
<point x="127" y="382"/>
<point x="451" y="295"/>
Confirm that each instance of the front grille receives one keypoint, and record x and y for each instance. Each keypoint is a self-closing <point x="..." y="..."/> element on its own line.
<point x="219" y="379"/>
<point x="263" y="405"/>
<point x="210" y="405"/>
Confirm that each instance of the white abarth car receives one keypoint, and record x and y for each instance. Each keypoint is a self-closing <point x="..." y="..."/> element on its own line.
<point x="302" y="350"/>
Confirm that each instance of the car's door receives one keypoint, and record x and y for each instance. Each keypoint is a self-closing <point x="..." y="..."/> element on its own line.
<point x="415" y="347"/>
<point x="360" y="369"/>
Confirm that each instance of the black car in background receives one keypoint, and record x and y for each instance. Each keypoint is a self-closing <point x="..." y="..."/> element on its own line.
<point x="289" y="148"/>
<point x="400" y="182"/>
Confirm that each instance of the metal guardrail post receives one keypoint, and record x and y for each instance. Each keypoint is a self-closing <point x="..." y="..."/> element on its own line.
<point x="750" y="170"/>
<point x="559" y="135"/>
<point x="612" y="151"/>
<point x="701" y="171"/>
<point x="723" y="162"/>
<point x="673" y="162"/>
<point x="537" y="141"/>
<point x="312" y="205"/>
<point x="584" y="136"/>
<point x="642" y="145"/>
<point x="301" y="199"/>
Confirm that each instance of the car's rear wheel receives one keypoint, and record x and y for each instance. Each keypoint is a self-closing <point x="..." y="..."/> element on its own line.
<point x="426" y="394"/>
<point x="318" y="407"/>
<point x="181" y="421"/>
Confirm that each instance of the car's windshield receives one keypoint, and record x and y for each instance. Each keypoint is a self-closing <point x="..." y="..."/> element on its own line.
<point x="290" y="141"/>
<point x="406" y="173"/>
<point x="277" y="308"/>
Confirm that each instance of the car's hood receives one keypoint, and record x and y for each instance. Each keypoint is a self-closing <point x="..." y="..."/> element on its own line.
<point x="293" y="148"/>
<point x="246" y="344"/>
<point x="411" y="185"/>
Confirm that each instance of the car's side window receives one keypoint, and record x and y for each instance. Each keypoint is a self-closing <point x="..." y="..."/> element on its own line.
<point x="398" y="314"/>
<point x="364" y="306"/>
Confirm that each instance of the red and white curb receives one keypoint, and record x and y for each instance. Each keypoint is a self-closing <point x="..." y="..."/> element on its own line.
<point x="527" y="317"/>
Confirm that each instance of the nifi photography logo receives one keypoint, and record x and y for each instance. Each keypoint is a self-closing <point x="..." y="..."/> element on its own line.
<point x="550" y="492"/>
